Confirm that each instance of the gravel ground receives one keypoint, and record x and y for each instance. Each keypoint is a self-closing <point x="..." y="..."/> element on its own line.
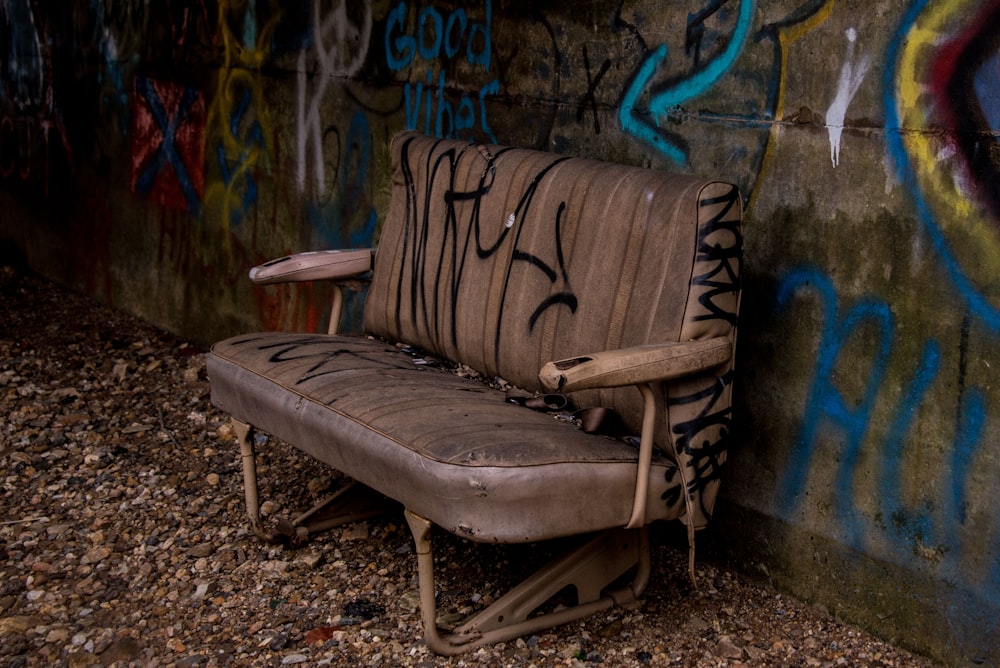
<point x="123" y="540"/>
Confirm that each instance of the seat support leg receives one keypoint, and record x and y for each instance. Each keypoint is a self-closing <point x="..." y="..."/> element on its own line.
<point x="589" y="569"/>
<point x="352" y="503"/>
<point x="248" y="455"/>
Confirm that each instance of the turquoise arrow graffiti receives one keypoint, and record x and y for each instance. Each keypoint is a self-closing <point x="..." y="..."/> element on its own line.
<point x="644" y="124"/>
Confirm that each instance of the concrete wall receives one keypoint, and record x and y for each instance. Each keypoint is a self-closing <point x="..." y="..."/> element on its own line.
<point x="150" y="152"/>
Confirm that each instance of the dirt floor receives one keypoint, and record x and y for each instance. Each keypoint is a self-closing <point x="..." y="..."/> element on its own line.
<point x="123" y="538"/>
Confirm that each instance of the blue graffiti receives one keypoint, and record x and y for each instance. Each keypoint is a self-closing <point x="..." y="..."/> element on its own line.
<point x="644" y="124"/>
<point x="229" y="171"/>
<point x="359" y="151"/>
<point x="24" y="80"/>
<point x="426" y="102"/>
<point x="971" y="419"/>
<point x="111" y="76"/>
<point x="166" y="154"/>
<point x="825" y="402"/>
<point x="349" y="220"/>
<point x="977" y="303"/>
<point x="918" y="525"/>
<point x="448" y="122"/>
<point x="933" y="524"/>
<point x="401" y="48"/>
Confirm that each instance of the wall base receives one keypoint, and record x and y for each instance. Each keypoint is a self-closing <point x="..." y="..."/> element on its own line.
<point x="927" y="616"/>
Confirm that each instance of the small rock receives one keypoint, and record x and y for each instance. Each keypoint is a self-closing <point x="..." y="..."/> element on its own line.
<point x="137" y="428"/>
<point x="203" y="589"/>
<point x="20" y="458"/>
<point x="727" y="649"/>
<point x="310" y="559"/>
<point x="57" y="530"/>
<point x="103" y="641"/>
<point x="201" y="550"/>
<point x="696" y="624"/>
<point x="316" y="485"/>
<point x="119" y="371"/>
<point x="274" y="567"/>
<point x="410" y="600"/>
<point x="292" y="659"/>
<point x="18" y="624"/>
<point x="93" y="458"/>
<point x="356" y="531"/>
<point x="611" y="629"/>
<point x="212" y="479"/>
<point x="320" y="635"/>
<point x="226" y="433"/>
<point x="57" y="635"/>
<point x="96" y="556"/>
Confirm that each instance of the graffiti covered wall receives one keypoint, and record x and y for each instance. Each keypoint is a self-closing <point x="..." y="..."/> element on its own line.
<point x="150" y="153"/>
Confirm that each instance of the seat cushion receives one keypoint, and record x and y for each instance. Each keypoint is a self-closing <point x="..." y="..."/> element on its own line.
<point x="448" y="448"/>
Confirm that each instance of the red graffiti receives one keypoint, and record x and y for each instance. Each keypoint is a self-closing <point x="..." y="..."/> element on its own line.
<point x="293" y="307"/>
<point x="168" y="144"/>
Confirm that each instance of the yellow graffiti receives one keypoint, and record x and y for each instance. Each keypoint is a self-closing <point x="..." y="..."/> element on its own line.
<point x="238" y="118"/>
<point x="786" y="37"/>
<point x="923" y="143"/>
<point x="939" y="171"/>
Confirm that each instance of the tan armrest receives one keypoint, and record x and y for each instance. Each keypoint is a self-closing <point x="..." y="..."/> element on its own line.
<point x="631" y="366"/>
<point x="313" y="266"/>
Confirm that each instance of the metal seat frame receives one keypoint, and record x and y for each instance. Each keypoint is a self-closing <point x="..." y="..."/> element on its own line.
<point x="592" y="569"/>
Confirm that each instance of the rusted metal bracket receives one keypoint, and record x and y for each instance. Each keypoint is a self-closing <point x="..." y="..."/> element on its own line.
<point x="352" y="503"/>
<point x="589" y="569"/>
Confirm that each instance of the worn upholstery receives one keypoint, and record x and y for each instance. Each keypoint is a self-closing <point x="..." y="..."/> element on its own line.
<point x="504" y="259"/>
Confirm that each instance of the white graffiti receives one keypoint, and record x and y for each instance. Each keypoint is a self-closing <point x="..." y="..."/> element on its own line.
<point x="340" y="48"/>
<point x="851" y="76"/>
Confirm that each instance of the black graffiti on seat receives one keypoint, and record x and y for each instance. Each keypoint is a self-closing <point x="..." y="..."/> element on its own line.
<point x="723" y="275"/>
<point x="708" y="453"/>
<point x="318" y="348"/>
<point x="461" y="237"/>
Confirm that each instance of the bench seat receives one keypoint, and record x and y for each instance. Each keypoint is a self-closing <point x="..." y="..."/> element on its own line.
<point x="614" y="285"/>
<point x="489" y="470"/>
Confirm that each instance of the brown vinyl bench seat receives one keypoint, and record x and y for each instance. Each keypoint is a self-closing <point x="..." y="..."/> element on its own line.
<point x="616" y="287"/>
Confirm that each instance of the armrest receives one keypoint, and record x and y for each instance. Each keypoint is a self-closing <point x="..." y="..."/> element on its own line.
<point x="632" y="366"/>
<point x="313" y="266"/>
<point x="639" y="366"/>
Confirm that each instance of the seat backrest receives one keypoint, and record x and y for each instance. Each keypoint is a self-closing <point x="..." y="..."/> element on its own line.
<point x="504" y="259"/>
